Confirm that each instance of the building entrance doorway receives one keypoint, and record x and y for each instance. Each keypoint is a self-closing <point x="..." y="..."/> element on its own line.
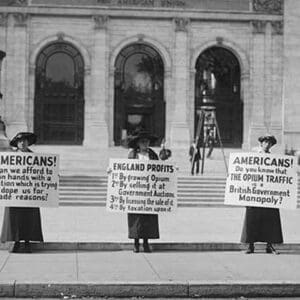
<point x="139" y="98"/>
<point x="59" y="96"/>
<point x="218" y="84"/>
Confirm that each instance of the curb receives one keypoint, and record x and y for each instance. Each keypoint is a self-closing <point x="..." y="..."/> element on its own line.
<point x="126" y="246"/>
<point x="149" y="289"/>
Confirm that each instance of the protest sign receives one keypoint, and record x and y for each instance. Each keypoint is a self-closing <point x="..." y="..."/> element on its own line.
<point x="262" y="179"/>
<point x="139" y="186"/>
<point x="28" y="179"/>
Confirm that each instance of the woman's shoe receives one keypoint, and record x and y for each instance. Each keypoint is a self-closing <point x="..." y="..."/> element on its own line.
<point x="250" y="249"/>
<point x="270" y="249"/>
<point x="146" y="248"/>
<point x="27" y="248"/>
<point x="136" y="246"/>
<point x="16" y="247"/>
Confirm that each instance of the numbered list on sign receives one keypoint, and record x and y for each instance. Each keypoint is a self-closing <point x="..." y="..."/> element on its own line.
<point x="145" y="187"/>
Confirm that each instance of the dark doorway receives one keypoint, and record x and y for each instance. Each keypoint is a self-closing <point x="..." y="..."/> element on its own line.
<point x="59" y="96"/>
<point x="217" y="83"/>
<point x="139" y="99"/>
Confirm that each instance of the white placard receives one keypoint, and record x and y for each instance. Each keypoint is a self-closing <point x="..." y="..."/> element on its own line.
<point x="260" y="179"/>
<point x="29" y="179"/>
<point x="142" y="187"/>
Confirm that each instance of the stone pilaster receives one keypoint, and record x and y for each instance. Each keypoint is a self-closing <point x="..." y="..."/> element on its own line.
<point x="3" y="45"/>
<point x="268" y="88"/>
<point x="276" y="125"/>
<point x="291" y="85"/>
<point x="15" y="104"/>
<point x="257" y="74"/>
<point x="179" y="131"/>
<point x="96" y="129"/>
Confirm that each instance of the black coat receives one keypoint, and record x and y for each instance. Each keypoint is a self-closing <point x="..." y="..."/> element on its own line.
<point x="143" y="226"/>
<point x="262" y="224"/>
<point x="21" y="223"/>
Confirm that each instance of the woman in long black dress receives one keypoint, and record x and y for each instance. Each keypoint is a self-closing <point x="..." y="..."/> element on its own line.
<point x="22" y="223"/>
<point x="142" y="226"/>
<point x="262" y="224"/>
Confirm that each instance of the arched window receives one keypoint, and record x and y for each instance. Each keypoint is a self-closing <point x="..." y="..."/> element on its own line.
<point x="59" y="99"/>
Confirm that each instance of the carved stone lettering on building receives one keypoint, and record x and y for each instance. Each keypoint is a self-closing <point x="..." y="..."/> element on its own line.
<point x="146" y="3"/>
<point x="173" y="3"/>
<point x="3" y="19"/>
<point x="20" y="19"/>
<point x="268" y="6"/>
<point x="277" y="27"/>
<point x="224" y="5"/>
<point x="17" y="2"/>
<point x="259" y="27"/>
<point x="100" y="22"/>
<point x="181" y="24"/>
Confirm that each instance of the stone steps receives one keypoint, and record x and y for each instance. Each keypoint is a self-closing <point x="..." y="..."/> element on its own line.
<point x="194" y="191"/>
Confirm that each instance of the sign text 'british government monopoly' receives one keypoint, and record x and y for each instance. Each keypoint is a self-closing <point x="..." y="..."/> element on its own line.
<point x="139" y="186"/>
<point x="28" y="179"/>
<point x="262" y="179"/>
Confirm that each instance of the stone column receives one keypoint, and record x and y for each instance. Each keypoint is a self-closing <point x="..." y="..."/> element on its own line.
<point x="16" y="73"/>
<point x="179" y="131"/>
<point x="96" y="129"/>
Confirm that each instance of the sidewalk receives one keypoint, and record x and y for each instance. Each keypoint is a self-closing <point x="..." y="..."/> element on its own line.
<point x="187" y="225"/>
<point x="65" y="265"/>
<point x="73" y="274"/>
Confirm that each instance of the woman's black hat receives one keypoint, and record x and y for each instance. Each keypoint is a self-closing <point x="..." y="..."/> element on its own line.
<point x="268" y="138"/>
<point x="143" y="134"/>
<point x="29" y="136"/>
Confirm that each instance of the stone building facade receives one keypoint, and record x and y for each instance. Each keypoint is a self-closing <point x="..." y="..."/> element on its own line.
<point x="86" y="72"/>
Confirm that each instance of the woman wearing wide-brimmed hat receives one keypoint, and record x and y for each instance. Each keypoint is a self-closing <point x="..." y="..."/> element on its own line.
<point x="22" y="223"/>
<point x="142" y="226"/>
<point x="262" y="224"/>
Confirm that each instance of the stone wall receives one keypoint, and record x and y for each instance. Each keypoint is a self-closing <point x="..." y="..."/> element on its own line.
<point x="180" y="37"/>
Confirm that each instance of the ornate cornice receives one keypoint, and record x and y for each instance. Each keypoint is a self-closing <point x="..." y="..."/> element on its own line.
<point x="100" y="22"/>
<point x="3" y="19"/>
<point x="181" y="24"/>
<point x="259" y="27"/>
<point x="20" y="19"/>
<point x="277" y="27"/>
<point x="268" y="6"/>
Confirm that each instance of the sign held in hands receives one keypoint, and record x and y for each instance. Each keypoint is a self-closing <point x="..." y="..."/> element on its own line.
<point x="142" y="187"/>
<point x="262" y="179"/>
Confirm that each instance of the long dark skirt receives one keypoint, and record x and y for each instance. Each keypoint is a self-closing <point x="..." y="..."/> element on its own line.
<point x="143" y="226"/>
<point x="21" y="223"/>
<point x="262" y="225"/>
